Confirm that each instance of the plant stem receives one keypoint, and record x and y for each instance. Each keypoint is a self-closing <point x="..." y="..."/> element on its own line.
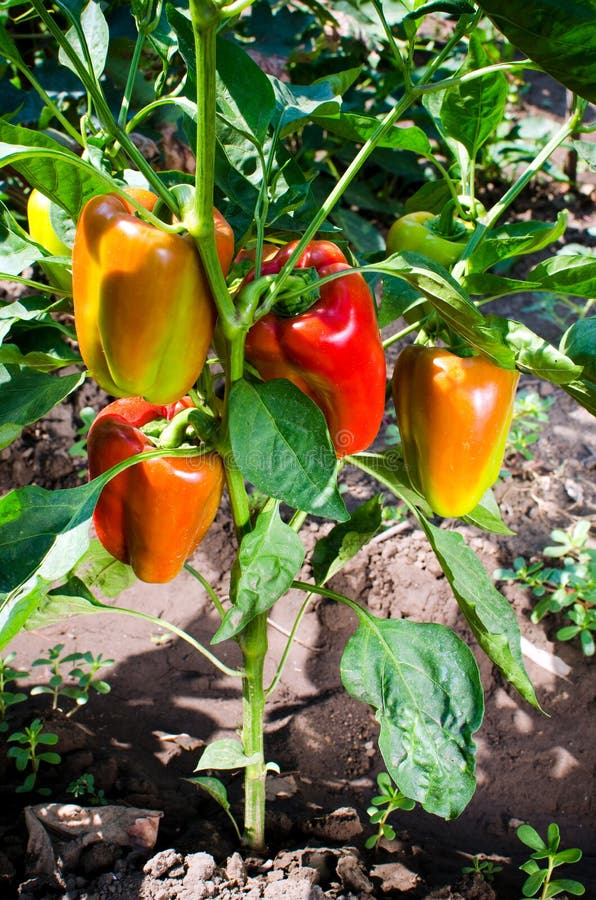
<point x="253" y="643"/>
<point x="205" y="19"/>
<point x="168" y="626"/>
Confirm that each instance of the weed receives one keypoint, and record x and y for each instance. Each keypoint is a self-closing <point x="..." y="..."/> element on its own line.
<point x="28" y="755"/>
<point x="391" y="798"/>
<point x="540" y="879"/>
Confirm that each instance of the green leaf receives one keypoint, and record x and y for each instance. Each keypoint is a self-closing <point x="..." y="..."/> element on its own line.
<point x="42" y="535"/>
<point x="573" y="275"/>
<point x="245" y="96"/>
<point x="516" y="239"/>
<point x="471" y="111"/>
<point x="579" y="344"/>
<point x="451" y="7"/>
<point x="269" y="559"/>
<point x="214" y="787"/>
<point x="58" y="173"/>
<point x="487" y="516"/>
<point x="344" y="541"/>
<point x="560" y="38"/>
<point x="397" y="299"/>
<point x="358" y="129"/>
<point x="569" y="885"/>
<point x="532" y="884"/>
<point x="487" y="284"/>
<point x="26" y="396"/>
<point x="530" y="837"/>
<point x="533" y="353"/>
<point x="587" y="151"/>
<point x="570" y="856"/>
<point x="281" y="445"/>
<point x="297" y="104"/>
<point x="16" y="250"/>
<point x="389" y="470"/>
<point x="72" y="598"/>
<point x="423" y="683"/>
<point x="98" y="570"/>
<point x="487" y="612"/>
<point x="451" y="302"/>
<point x="89" y="35"/>
<point x="226" y="753"/>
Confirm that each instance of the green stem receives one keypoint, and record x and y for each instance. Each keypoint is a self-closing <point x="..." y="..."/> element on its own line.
<point x="495" y="212"/>
<point x="253" y="643"/>
<point x="208" y="588"/>
<point x="400" y="334"/>
<point x="168" y="626"/>
<point x="130" y="81"/>
<point x="284" y="657"/>
<point x="205" y="19"/>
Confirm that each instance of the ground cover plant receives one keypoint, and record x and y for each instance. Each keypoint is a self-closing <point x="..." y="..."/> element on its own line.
<point x="231" y="315"/>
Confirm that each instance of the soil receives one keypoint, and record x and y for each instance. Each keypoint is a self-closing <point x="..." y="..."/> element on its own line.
<point x="142" y="741"/>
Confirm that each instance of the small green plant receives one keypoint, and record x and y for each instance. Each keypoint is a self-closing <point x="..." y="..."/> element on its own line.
<point x="84" y="788"/>
<point x="387" y="801"/>
<point x="28" y="755"/>
<point x="539" y="882"/>
<point x="83" y="675"/>
<point x="8" y="697"/>
<point x="529" y="417"/>
<point x="569" y="589"/>
<point x="486" y="868"/>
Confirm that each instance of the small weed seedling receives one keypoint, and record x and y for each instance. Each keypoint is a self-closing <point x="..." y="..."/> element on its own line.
<point x="387" y="801"/>
<point x="79" y="448"/>
<point x="83" y="788"/>
<point x="486" y="868"/>
<point x="9" y="697"/>
<point x="540" y="883"/>
<point x="529" y="417"/>
<point x="570" y="589"/>
<point x="83" y="674"/>
<point x="28" y="755"/>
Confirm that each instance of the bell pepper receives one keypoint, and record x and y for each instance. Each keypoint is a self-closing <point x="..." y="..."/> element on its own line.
<point x="144" y="315"/>
<point x="154" y="514"/>
<point x="42" y="231"/>
<point x="418" y="232"/>
<point x="332" y="351"/>
<point x="453" y="416"/>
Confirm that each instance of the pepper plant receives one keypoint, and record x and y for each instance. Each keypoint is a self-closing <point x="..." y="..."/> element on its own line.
<point x="267" y="352"/>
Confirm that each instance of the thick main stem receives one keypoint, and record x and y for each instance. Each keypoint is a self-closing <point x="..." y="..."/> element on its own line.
<point x="253" y="643"/>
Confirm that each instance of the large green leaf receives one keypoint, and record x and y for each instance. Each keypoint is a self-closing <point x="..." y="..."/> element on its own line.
<point x="579" y="343"/>
<point x="358" y="129"/>
<point x="515" y="239"/>
<point x="58" y="173"/>
<point x="560" y="37"/>
<point x="487" y="612"/>
<point x="27" y="395"/>
<point x="281" y="445"/>
<point x="472" y="110"/>
<point x="424" y="685"/>
<point x="245" y="98"/>
<point x="89" y="36"/>
<point x="297" y="104"/>
<point x="269" y="559"/>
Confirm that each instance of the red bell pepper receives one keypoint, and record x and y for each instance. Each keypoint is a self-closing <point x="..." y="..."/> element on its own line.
<point x="332" y="351"/>
<point x="154" y="514"/>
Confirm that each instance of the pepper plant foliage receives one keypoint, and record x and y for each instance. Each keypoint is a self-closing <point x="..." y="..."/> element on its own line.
<point x="286" y="159"/>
